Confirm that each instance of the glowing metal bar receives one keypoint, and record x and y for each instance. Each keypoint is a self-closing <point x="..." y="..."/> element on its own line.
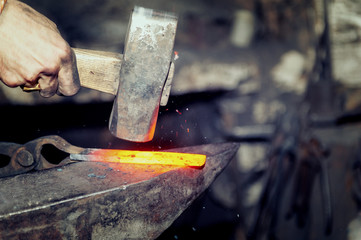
<point x="140" y="157"/>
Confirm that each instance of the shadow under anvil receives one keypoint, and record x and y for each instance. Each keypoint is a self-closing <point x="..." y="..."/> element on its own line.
<point x="90" y="200"/>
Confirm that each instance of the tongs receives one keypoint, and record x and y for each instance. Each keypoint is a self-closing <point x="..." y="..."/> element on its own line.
<point x="42" y="153"/>
<point x="33" y="155"/>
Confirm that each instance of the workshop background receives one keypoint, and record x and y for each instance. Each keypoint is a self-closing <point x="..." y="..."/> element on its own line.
<point x="249" y="71"/>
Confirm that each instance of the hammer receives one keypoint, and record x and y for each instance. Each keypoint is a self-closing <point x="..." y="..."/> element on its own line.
<point x="140" y="78"/>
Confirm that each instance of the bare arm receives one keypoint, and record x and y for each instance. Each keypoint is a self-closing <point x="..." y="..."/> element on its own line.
<point x="32" y="51"/>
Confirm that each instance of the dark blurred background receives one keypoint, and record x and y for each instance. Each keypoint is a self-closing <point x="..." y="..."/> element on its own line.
<point x="244" y="68"/>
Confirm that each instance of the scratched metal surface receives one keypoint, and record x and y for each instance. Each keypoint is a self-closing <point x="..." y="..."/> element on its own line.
<point x="145" y="66"/>
<point x="105" y="201"/>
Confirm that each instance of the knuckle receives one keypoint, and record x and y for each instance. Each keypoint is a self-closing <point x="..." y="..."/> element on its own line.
<point x="50" y="64"/>
<point x="64" y="52"/>
<point x="52" y="25"/>
<point x="31" y="72"/>
<point x="52" y="67"/>
<point x="48" y="86"/>
<point x="31" y="76"/>
<point x="11" y="80"/>
<point x="12" y="83"/>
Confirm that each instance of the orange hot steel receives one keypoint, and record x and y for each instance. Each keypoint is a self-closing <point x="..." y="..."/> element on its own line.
<point x="141" y="157"/>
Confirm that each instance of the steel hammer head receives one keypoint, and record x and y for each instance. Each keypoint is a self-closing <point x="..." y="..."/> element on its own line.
<point x="145" y="67"/>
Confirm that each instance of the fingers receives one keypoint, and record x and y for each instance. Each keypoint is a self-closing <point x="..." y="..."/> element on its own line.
<point x="61" y="78"/>
<point x="11" y="80"/>
<point x="48" y="85"/>
<point x="58" y="74"/>
<point x="61" y="75"/>
<point x="68" y="78"/>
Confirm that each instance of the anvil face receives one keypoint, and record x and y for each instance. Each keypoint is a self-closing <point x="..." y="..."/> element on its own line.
<point x="92" y="200"/>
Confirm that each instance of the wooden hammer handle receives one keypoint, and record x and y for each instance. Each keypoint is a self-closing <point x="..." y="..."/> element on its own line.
<point x="99" y="70"/>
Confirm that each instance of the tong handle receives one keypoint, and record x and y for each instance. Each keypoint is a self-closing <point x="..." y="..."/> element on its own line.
<point x="35" y="147"/>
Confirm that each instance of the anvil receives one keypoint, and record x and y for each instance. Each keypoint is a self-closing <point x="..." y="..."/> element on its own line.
<point x="97" y="200"/>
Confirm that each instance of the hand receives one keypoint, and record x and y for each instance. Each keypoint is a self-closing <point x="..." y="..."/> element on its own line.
<point x="32" y="51"/>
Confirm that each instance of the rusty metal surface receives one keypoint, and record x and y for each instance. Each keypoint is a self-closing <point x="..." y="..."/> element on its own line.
<point x="147" y="58"/>
<point x="89" y="200"/>
<point x="24" y="158"/>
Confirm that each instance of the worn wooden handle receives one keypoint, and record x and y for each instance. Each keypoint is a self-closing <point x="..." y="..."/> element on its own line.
<point x="99" y="70"/>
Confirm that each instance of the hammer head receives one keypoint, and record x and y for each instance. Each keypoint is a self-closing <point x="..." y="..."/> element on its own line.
<point x="146" y="62"/>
